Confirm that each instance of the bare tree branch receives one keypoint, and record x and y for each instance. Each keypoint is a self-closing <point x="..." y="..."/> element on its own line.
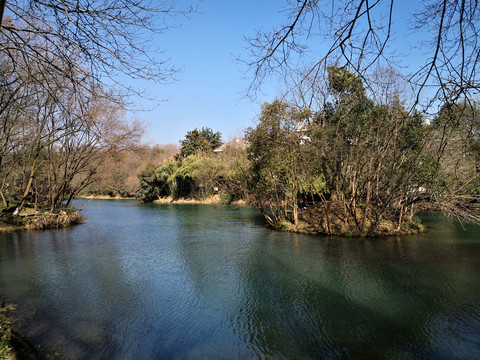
<point x="360" y="35"/>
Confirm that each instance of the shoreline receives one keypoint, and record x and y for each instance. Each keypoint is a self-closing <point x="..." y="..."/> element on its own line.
<point x="213" y="200"/>
<point x="303" y="227"/>
<point x="31" y="219"/>
<point x="104" y="197"/>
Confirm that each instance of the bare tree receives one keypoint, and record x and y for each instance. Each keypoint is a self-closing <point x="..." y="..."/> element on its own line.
<point x="358" y="34"/>
<point x="100" y="40"/>
<point x="51" y="137"/>
<point x="59" y="61"/>
<point x="95" y="131"/>
<point x="12" y="101"/>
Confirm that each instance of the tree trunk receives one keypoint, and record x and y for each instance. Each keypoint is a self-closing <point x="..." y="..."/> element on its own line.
<point x="4" y="200"/>
<point x="400" y="219"/>
<point x="27" y="190"/>
<point x="295" y="211"/>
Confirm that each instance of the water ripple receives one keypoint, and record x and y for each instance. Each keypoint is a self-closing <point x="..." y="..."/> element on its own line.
<point x="190" y="282"/>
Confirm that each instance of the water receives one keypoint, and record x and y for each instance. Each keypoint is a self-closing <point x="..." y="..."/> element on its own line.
<point x="213" y="282"/>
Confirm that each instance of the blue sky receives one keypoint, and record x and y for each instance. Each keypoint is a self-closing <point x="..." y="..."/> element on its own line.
<point x="209" y="89"/>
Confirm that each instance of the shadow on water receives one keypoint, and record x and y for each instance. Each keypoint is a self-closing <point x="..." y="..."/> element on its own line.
<point x="202" y="281"/>
<point x="359" y="298"/>
<point x="49" y="283"/>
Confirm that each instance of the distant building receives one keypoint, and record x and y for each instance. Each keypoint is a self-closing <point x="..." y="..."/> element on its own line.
<point x="235" y="143"/>
<point x="302" y="129"/>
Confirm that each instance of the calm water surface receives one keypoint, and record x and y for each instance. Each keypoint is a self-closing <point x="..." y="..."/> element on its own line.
<point x="212" y="282"/>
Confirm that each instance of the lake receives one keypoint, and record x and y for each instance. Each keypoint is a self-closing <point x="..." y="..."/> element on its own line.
<point x="139" y="281"/>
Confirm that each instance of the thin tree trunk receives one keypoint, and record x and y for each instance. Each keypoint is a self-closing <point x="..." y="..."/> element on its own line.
<point x="27" y="190"/>
<point x="295" y="210"/>
<point x="400" y="219"/>
<point x="4" y="200"/>
<point x="5" y="203"/>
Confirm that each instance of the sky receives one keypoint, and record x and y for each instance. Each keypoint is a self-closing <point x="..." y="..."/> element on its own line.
<point x="209" y="90"/>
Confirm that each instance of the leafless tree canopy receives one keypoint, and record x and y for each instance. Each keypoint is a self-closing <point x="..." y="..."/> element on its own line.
<point x="60" y="114"/>
<point x="100" y="39"/>
<point x="360" y="34"/>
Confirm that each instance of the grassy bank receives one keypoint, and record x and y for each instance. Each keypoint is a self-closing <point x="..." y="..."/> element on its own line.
<point x="211" y="200"/>
<point x="314" y="220"/>
<point x="105" y="197"/>
<point x="214" y="200"/>
<point x="6" y="349"/>
<point x="31" y="219"/>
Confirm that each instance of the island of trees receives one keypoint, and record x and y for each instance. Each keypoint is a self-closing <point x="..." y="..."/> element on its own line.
<point x="354" y="166"/>
<point x="345" y="151"/>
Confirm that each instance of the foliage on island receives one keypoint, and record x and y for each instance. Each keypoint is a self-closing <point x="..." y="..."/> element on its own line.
<point x="199" y="141"/>
<point x="357" y="166"/>
<point x="352" y="166"/>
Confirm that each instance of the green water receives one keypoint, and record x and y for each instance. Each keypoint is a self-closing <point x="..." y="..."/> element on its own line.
<point x="213" y="282"/>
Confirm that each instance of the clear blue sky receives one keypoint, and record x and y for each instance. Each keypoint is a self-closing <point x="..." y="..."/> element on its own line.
<point x="209" y="89"/>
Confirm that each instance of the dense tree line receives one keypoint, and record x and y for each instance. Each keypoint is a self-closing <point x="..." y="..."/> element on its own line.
<point x="357" y="164"/>
<point x="197" y="172"/>
<point x="117" y="173"/>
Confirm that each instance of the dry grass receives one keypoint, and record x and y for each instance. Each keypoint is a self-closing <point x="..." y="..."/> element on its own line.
<point x="53" y="220"/>
<point x="6" y="228"/>
<point x="215" y="199"/>
<point x="339" y="222"/>
<point x="212" y="200"/>
<point x="31" y="219"/>
<point x="104" y="197"/>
